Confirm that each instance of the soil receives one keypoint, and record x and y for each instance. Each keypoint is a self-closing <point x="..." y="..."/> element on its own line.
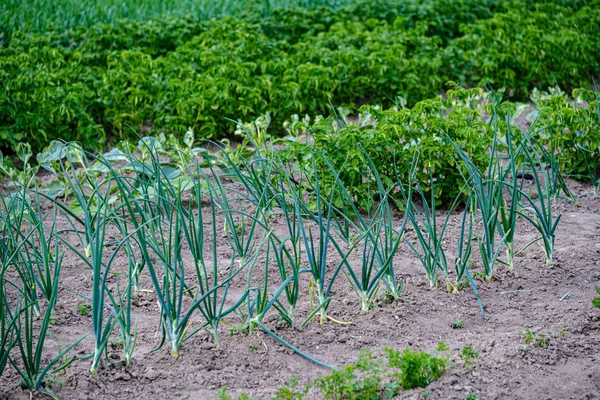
<point x="554" y="300"/>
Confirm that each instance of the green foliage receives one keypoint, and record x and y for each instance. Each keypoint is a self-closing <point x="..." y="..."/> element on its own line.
<point x="83" y="309"/>
<point x="468" y="356"/>
<point x="393" y="138"/>
<point x="344" y="384"/>
<point x="417" y="368"/>
<point x="106" y="82"/>
<point x="596" y="301"/>
<point x="547" y="44"/>
<point x="534" y="339"/>
<point x="40" y="16"/>
<point x="290" y="391"/>
<point x="573" y="126"/>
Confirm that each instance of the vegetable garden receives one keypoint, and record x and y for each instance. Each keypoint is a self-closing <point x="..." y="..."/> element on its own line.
<point x="362" y="200"/>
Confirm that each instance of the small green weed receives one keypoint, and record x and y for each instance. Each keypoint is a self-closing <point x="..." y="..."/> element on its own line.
<point x="417" y="368"/>
<point x="344" y="384"/>
<point x="596" y="301"/>
<point x="224" y="395"/>
<point x="84" y="309"/>
<point x="563" y="331"/>
<point x="534" y="339"/>
<point x="289" y="392"/>
<point x="458" y="324"/>
<point x="471" y="396"/>
<point x="468" y="356"/>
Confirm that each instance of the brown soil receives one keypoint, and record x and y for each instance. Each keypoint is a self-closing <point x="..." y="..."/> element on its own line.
<point x="546" y="298"/>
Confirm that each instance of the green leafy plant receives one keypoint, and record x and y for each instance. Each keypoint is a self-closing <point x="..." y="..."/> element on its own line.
<point x="468" y="356"/>
<point x="416" y="368"/>
<point x="286" y="62"/>
<point x="534" y="339"/>
<point x="596" y="301"/>
<point x="344" y="384"/>
<point x="83" y="309"/>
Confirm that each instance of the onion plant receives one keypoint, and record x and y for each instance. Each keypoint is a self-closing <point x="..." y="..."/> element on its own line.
<point x="41" y="254"/>
<point x="463" y="244"/>
<point x="30" y="338"/>
<point x="488" y="190"/>
<point x="211" y="303"/>
<point x="241" y="226"/>
<point x="430" y="237"/>
<point x="508" y="210"/>
<point x="316" y="246"/>
<point x="259" y="299"/>
<point x="287" y="251"/>
<point x="380" y="241"/>
<point x="96" y="216"/>
<point x="120" y="301"/>
<point x="538" y="210"/>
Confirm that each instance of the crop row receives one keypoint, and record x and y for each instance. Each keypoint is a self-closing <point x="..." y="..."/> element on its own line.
<point x="167" y="75"/>
<point x="161" y="209"/>
<point x="42" y="16"/>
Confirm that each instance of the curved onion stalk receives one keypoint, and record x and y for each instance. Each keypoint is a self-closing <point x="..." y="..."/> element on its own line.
<point x="488" y="192"/>
<point x="429" y="238"/>
<point x="30" y="342"/>
<point x="295" y="349"/>
<point x="463" y="254"/>
<point x="317" y="247"/>
<point x="96" y="216"/>
<point x="7" y="340"/>
<point x="508" y="211"/>
<point x="381" y="243"/>
<point x="260" y="303"/>
<point x="539" y="213"/>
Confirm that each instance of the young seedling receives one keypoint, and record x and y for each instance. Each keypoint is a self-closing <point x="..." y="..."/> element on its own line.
<point x="534" y="339"/>
<point x="468" y="356"/>
<point x="596" y="301"/>
<point x="83" y="309"/>
<point x="416" y="368"/>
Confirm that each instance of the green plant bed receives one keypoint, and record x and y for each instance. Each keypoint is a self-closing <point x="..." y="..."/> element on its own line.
<point x="100" y="84"/>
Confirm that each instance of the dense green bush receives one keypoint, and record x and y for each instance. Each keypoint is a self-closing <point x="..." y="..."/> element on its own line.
<point x="387" y="141"/>
<point x="167" y="75"/>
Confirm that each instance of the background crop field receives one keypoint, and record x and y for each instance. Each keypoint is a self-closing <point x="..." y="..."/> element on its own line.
<point x="43" y="15"/>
